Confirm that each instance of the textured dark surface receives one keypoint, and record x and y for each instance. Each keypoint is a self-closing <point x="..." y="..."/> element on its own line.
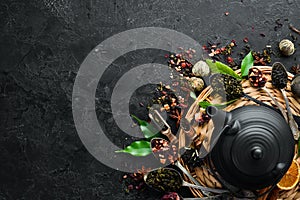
<point x="42" y="44"/>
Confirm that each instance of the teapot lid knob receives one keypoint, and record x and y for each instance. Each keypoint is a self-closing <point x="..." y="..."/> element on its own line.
<point x="257" y="153"/>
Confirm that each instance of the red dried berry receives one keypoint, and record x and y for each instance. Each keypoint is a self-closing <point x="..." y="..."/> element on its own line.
<point x="246" y="40"/>
<point x="229" y="59"/>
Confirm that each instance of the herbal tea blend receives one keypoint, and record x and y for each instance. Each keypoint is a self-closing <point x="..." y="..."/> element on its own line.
<point x="164" y="179"/>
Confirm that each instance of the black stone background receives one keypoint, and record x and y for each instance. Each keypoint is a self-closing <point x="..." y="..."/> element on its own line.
<point x="43" y="43"/>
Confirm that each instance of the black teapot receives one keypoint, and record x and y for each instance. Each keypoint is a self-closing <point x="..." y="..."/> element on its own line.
<point x="252" y="147"/>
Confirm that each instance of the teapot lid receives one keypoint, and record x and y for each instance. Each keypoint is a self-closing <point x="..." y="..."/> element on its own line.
<point x="259" y="154"/>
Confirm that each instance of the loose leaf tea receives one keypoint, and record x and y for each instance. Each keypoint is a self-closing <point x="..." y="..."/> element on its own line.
<point x="138" y="148"/>
<point x="147" y="129"/>
<point x="228" y="87"/>
<point x="279" y="76"/>
<point x="247" y="63"/>
<point x="218" y="67"/>
<point x="164" y="179"/>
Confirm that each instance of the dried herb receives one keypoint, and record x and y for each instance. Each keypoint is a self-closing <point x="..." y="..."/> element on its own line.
<point x="180" y="64"/>
<point x="263" y="58"/>
<point x="226" y="86"/>
<point x="137" y="148"/>
<point x="163" y="151"/>
<point x="279" y="76"/>
<point x="171" y="196"/>
<point x="295" y="69"/>
<point x="177" y="115"/>
<point x="165" y="97"/>
<point x="191" y="158"/>
<point x="164" y="179"/>
<point x="202" y="118"/>
<point x="247" y="63"/>
<point x="135" y="181"/>
<point x="218" y="67"/>
<point x="294" y="29"/>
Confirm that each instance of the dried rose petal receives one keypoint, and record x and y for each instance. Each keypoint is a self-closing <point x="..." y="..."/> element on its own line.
<point x="171" y="196"/>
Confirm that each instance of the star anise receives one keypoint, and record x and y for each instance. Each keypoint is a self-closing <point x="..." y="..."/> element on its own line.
<point x="295" y="69"/>
<point x="177" y="116"/>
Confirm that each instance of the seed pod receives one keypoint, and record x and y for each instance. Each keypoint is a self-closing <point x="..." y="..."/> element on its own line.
<point x="286" y="47"/>
<point x="295" y="85"/>
<point x="196" y="84"/>
<point x="201" y="69"/>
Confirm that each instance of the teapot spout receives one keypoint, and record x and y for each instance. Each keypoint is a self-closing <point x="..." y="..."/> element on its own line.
<point x="220" y="118"/>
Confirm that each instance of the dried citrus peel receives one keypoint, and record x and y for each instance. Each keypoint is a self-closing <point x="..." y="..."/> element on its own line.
<point x="291" y="178"/>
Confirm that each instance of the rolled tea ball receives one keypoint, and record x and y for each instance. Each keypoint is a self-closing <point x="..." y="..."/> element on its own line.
<point x="286" y="47"/>
<point x="201" y="69"/>
<point x="196" y="84"/>
<point x="295" y="85"/>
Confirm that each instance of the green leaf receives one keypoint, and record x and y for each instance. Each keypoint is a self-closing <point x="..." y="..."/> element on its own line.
<point x="205" y="104"/>
<point x="138" y="148"/>
<point x="147" y="129"/>
<point x="193" y="95"/>
<point x="247" y="63"/>
<point x="218" y="67"/>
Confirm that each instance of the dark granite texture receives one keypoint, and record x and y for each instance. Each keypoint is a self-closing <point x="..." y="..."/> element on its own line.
<point x="43" y="43"/>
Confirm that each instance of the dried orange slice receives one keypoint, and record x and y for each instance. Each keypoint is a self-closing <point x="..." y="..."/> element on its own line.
<point x="291" y="178"/>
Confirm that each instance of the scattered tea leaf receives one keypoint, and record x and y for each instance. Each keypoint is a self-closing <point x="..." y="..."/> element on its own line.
<point x="247" y="63"/>
<point x="138" y="148"/>
<point x="147" y="129"/>
<point x="218" y="67"/>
